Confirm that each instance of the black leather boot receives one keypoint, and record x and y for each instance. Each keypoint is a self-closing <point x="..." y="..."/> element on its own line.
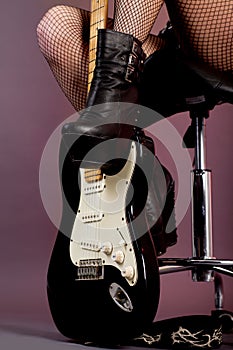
<point x="119" y="63"/>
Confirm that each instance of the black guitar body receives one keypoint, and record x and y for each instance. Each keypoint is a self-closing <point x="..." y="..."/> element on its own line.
<point x="109" y="309"/>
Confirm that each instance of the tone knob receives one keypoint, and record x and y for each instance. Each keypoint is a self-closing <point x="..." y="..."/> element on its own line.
<point x="107" y="248"/>
<point x="128" y="272"/>
<point x="118" y="257"/>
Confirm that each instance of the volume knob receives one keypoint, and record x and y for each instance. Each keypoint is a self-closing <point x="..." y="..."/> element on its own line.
<point x="118" y="257"/>
<point x="107" y="248"/>
<point x="128" y="272"/>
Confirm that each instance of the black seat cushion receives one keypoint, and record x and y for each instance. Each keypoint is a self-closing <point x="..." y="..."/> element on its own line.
<point x="173" y="83"/>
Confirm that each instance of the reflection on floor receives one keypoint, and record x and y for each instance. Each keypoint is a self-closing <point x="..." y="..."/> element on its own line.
<point x="36" y="336"/>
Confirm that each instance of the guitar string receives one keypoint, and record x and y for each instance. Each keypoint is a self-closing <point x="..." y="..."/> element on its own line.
<point x="97" y="202"/>
<point x="93" y="203"/>
<point x="99" y="196"/>
<point x="102" y="14"/>
<point x="95" y="199"/>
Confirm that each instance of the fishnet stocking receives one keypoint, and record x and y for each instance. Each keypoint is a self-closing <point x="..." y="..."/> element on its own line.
<point x="63" y="36"/>
<point x="136" y="17"/>
<point x="205" y="29"/>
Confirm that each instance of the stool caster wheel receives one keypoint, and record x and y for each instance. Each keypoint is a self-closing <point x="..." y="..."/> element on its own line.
<point x="226" y="319"/>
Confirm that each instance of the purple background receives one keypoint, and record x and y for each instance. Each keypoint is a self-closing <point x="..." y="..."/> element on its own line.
<point x="32" y="106"/>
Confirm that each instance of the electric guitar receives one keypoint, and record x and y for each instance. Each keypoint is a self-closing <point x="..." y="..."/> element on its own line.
<point x="103" y="279"/>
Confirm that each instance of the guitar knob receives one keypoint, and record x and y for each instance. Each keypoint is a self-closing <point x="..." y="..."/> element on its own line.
<point x="128" y="272"/>
<point x="107" y="248"/>
<point x="118" y="257"/>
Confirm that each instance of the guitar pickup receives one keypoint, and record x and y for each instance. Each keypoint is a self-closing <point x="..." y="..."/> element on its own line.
<point x="95" y="187"/>
<point x="92" y="217"/>
<point x="90" y="245"/>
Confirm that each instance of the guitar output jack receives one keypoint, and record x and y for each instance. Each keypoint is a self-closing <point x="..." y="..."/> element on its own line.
<point x="120" y="297"/>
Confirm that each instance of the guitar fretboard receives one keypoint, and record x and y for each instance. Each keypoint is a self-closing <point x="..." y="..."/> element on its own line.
<point x="98" y="20"/>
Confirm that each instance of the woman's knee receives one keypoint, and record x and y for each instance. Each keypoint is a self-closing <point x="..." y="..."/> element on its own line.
<point x="60" y="22"/>
<point x="48" y="23"/>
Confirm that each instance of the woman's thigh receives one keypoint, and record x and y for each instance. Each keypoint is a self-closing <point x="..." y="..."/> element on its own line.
<point x="204" y="29"/>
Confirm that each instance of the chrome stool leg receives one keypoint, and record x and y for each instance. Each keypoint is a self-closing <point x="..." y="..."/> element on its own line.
<point x="218" y="291"/>
<point x="203" y="265"/>
<point x="225" y="316"/>
<point x="201" y="202"/>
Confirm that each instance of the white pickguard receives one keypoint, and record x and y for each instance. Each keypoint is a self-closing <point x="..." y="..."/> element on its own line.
<point x="100" y="234"/>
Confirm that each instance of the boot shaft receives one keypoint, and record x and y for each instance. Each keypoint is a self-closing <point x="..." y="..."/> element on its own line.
<point x="119" y="64"/>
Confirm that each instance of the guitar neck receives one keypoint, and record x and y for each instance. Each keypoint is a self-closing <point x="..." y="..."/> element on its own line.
<point x="98" y="20"/>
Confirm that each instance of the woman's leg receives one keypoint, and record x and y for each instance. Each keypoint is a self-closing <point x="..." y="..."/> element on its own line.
<point x="205" y="30"/>
<point x="136" y="17"/>
<point x="63" y="35"/>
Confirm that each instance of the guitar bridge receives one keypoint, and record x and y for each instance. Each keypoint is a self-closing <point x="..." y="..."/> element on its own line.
<point x="90" y="269"/>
